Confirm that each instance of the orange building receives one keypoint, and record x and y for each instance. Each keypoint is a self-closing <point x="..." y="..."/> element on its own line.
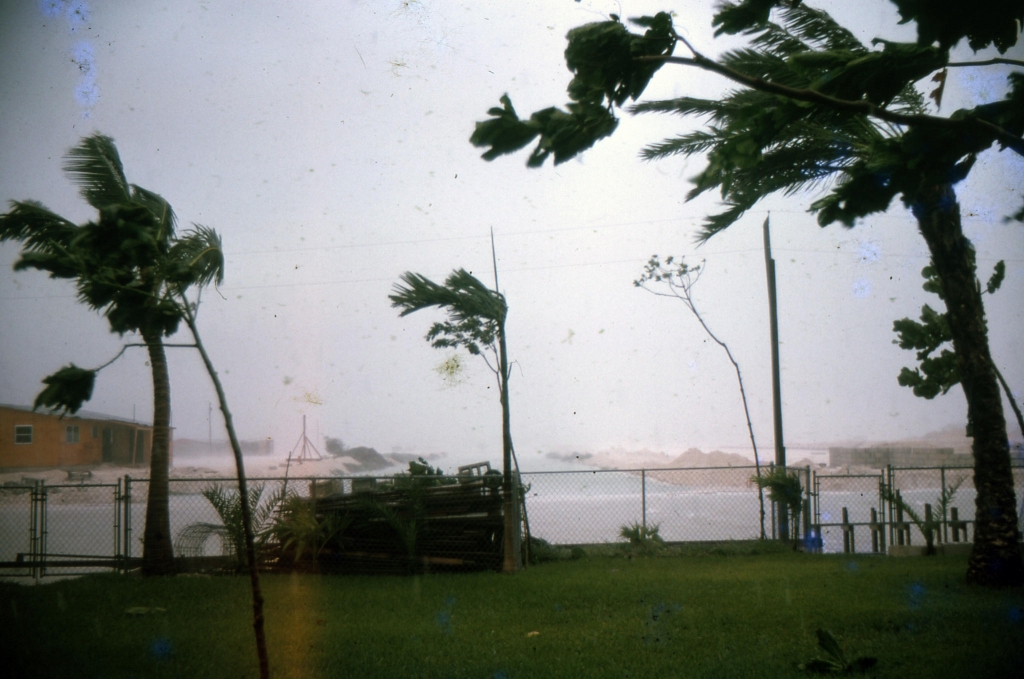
<point x="45" y="439"/>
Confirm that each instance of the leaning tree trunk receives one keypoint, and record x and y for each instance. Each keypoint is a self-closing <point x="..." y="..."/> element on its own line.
<point x="243" y="499"/>
<point x="996" y="557"/>
<point x="511" y="561"/>
<point x="157" y="552"/>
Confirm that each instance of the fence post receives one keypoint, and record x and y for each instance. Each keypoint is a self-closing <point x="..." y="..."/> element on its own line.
<point x="43" y="529"/>
<point x="892" y="516"/>
<point x="817" y="500"/>
<point x="117" y="525"/>
<point x="807" y="505"/>
<point x="944" y="533"/>
<point x="957" y="525"/>
<point x="878" y="533"/>
<point x="33" y="530"/>
<point x="643" y="495"/>
<point x="902" y="527"/>
<point x="127" y="523"/>
<point x="849" y="547"/>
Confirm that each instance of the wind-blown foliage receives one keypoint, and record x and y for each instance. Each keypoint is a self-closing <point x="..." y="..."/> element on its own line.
<point x="818" y="109"/>
<point x="944" y="21"/>
<point x="131" y="266"/>
<point x="227" y="503"/>
<point x="679" y="278"/>
<point x="602" y="57"/>
<point x="938" y="373"/>
<point x="475" y="313"/>
<point x="476" y="321"/>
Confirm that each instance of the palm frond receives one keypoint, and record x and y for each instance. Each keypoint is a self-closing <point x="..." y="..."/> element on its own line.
<point x="96" y="167"/>
<point x="160" y="208"/>
<point x="462" y="295"/>
<point x="687" y="144"/>
<point x="723" y="220"/>
<point x="685" y="106"/>
<point x="764" y="65"/>
<point x="36" y="226"/>
<point x="197" y="258"/>
<point x="817" y="29"/>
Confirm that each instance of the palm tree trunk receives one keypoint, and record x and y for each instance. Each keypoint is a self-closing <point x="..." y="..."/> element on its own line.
<point x="510" y="488"/>
<point x="157" y="551"/>
<point x="996" y="557"/>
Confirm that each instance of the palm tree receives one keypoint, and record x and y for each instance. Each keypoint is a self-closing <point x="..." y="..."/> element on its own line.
<point x="476" y="322"/>
<point x="819" y="109"/>
<point x="758" y="143"/>
<point x="129" y="265"/>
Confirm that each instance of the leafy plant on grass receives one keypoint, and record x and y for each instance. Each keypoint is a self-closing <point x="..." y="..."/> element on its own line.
<point x="836" y="661"/>
<point x="784" y="488"/>
<point x="642" y="539"/>
<point x="228" y="506"/>
<point x="301" y="533"/>
<point x="542" y="551"/>
<point x="927" y="528"/>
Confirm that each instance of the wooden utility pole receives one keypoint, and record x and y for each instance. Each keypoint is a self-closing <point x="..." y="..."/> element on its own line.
<point x="781" y="510"/>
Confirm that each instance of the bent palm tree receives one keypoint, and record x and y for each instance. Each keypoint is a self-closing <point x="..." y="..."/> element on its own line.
<point x="476" y="322"/>
<point x="129" y="265"/>
<point x="819" y="108"/>
<point x="758" y="143"/>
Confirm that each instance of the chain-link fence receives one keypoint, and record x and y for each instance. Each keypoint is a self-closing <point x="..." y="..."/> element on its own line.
<point x="18" y="527"/>
<point x="699" y="504"/>
<point x="48" y="530"/>
<point x="870" y="513"/>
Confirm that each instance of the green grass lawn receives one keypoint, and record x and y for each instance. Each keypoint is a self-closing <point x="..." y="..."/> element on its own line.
<point x="730" y="615"/>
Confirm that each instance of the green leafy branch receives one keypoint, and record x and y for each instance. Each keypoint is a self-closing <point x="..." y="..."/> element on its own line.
<point x="938" y="373"/>
<point x="606" y="61"/>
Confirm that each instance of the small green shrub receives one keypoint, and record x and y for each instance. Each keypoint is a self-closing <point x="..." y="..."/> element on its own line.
<point x="228" y="505"/>
<point x="301" y="533"/>
<point x="542" y="551"/>
<point x="642" y="539"/>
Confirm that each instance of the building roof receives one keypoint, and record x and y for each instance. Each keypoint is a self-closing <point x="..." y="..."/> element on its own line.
<point x="80" y="415"/>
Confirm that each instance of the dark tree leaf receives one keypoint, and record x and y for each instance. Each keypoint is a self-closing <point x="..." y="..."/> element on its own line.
<point x="997" y="277"/>
<point x="993" y="22"/>
<point x="66" y="390"/>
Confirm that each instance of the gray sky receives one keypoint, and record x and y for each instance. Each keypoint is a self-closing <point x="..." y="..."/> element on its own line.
<point x="327" y="142"/>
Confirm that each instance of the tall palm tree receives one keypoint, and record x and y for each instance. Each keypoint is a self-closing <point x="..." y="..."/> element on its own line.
<point x="129" y="265"/>
<point x="476" y="322"/>
<point x="818" y="108"/>
<point x="758" y="143"/>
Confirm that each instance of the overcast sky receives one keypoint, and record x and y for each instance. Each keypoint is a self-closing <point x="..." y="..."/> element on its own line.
<point x="327" y="142"/>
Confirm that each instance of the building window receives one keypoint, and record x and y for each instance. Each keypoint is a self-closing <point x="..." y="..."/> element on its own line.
<point x="95" y="431"/>
<point x="71" y="433"/>
<point x="23" y="433"/>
